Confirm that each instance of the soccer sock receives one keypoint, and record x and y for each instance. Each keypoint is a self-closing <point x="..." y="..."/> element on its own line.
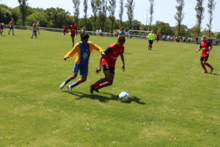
<point x="32" y="35"/>
<point x="98" y="87"/>
<point x="73" y="85"/>
<point x="95" y="84"/>
<point x="72" y="44"/>
<point x="204" y="67"/>
<point x="66" y="81"/>
<point x="208" y="65"/>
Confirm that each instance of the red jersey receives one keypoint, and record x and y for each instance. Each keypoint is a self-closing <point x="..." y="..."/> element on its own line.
<point x="205" y="48"/>
<point x="158" y="35"/>
<point x="73" y="29"/>
<point x="112" y="54"/>
<point x="64" y="28"/>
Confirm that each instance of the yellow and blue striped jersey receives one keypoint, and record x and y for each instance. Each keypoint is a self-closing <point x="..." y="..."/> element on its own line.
<point x="83" y="52"/>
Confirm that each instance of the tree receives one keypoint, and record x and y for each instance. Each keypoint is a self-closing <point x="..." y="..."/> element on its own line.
<point x="95" y="8"/>
<point x="5" y="13"/>
<point x="218" y="36"/>
<point x="111" y="10"/>
<point x="211" y="6"/>
<point x="85" y="11"/>
<point x="130" y="11"/>
<point x="102" y="13"/>
<point x="199" y="15"/>
<point x="179" y="15"/>
<point x="121" y="11"/>
<point x="23" y="9"/>
<point x="76" y="4"/>
<point x="151" y="12"/>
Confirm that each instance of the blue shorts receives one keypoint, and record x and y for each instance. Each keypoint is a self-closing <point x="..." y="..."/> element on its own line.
<point x="2" y="28"/>
<point x="83" y="69"/>
<point x="11" y="27"/>
<point x="34" y="31"/>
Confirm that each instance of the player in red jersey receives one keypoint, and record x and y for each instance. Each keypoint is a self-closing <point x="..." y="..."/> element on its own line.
<point x="64" y="30"/>
<point x="204" y="45"/>
<point x="73" y="30"/>
<point x="108" y="64"/>
<point x="158" y="36"/>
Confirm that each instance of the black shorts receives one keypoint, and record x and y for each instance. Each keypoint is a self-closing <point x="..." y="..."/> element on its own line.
<point x="73" y="35"/>
<point x="150" y="42"/>
<point x="204" y="58"/>
<point x="111" y="69"/>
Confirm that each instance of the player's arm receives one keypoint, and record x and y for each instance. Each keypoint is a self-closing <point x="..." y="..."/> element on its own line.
<point x="123" y="61"/>
<point x="107" y="51"/>
<point x="125" y="34"/>
<point x="199" y="48"/>
<point x="96" y="47"/>
<point x="74" y="50"/>
<point x="36" y="27"/>
<point x="209" y="48"/>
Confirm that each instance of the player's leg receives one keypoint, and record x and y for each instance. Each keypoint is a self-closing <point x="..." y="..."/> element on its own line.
<point x="9" y="31"/>
<point x="13" y="31"/>
<point x="203" y="65"/>
<point x="73" y="39"/>
<point x="73" y="76"/>
<point x="35" y="33"/>
<point x="108" y="80"/>
<point x="83" y="73"/>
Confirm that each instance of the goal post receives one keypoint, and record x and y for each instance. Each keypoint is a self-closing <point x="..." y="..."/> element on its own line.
<point x="138" y="34"/>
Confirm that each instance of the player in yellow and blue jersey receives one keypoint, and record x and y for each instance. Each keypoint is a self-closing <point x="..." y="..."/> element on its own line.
<point x="11" y="26"/>
<point x="34" y="30"/>
<point x="83" y="49"/>
<point x="122" y="32"/>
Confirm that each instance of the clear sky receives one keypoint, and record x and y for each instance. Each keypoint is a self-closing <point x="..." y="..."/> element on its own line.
<point x="164" y="10"/>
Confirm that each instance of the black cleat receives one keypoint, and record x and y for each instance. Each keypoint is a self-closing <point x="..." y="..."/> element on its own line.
<point x="92" y="89"/>
<point x="96" y="90"/>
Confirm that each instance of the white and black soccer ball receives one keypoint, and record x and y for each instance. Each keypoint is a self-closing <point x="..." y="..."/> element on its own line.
<point x="124" y="96"/>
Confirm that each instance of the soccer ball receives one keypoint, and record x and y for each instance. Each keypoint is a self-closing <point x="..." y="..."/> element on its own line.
<point x="124" y="96"/>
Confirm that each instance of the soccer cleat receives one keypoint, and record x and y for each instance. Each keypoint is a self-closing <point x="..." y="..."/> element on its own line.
<point x="96" y="90"/>
<point x="62" y="85"/>
<point x="92" y="89"/>
<point x="205" y="71"/>
<point x="212" y="69"/>
<point x="70" y="89"/>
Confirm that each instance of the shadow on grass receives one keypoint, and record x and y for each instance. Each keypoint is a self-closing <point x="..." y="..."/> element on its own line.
<point x="104" y="99"/>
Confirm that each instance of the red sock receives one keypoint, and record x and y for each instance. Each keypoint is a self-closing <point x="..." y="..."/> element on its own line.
<point x="98" y="87"/>
<point x="95" y="84"/>
<point x="204" y="67"/>
<point x="208" y="65"/>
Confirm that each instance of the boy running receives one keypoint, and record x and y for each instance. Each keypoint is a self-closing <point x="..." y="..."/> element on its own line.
<point x="204" y="45"/>
<point x="83" y="49"/>
<point x="122" y="32"/>
<point x="108" y="64"/>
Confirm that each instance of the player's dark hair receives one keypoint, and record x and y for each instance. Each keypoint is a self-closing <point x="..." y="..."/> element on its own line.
<point x="84" y="36"/>
<point x="121" y="39"/>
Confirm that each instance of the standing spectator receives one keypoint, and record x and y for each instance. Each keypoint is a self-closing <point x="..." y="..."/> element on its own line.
<point x="100" y="32"/>
<point x="38" y="23"/>
<point x="84" y="29"/>
<point x="73" y="30"/>
<point x="11" y="26"/>
<point x="204" y="45"/>
<point x="97" y="32"/>
<point x="151" y="39"/>
<point x="217" y="42"/>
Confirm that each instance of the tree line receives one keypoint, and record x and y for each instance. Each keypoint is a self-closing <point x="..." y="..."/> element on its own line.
<point x="58" y="17"/>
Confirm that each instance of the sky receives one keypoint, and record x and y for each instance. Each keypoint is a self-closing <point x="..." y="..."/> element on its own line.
<point x="164" y="10"/>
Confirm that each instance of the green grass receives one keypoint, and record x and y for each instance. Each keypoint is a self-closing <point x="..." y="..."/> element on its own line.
<point x="173" y="104"/>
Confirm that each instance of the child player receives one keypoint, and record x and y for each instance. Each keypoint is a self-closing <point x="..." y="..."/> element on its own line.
<point x="83" y="49"/>
<point x="73" y="30"/>
<point x="108" y="64"/>
<point x="34" y="30"/>
<point x="11" y="24"/>
<point x="204" y="45"/>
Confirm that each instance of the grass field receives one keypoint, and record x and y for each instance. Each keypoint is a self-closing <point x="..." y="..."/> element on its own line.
<point x="173" y="104"/>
